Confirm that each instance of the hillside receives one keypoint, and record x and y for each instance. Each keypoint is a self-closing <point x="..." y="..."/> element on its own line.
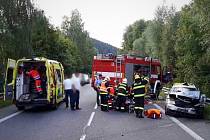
<point x="104" y="48"/>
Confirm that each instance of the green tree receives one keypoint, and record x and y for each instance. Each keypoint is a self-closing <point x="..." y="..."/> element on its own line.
<point x="52" y="43"/>
<point x="192" y="45"/>
<point x="15" y="31"/>
<point x="139" y="47"/>
<point x="132" y="33"/>
<point x="73" y="27"/>
<point x="168" y="40"/>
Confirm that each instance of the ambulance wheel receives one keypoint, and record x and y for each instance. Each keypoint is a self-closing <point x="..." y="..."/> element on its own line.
<point x="54" y="104"/>
<point x="20" y="107"/>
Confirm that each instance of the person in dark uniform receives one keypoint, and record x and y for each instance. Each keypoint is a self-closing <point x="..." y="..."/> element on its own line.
<point x="121" y="95"/>
<point x="139" y="92"/>
<point x="74" y="97"/>
<point x="97" y="85"/>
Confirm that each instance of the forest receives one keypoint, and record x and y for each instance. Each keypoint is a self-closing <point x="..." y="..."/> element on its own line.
<point x="25" y="31"/>
<point x="180" y="39"/>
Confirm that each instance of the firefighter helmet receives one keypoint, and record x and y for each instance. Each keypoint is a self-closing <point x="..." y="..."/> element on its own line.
<point x="107" y="78"/>
<point x="125" y="80"/>
<point x="137" y="76"/>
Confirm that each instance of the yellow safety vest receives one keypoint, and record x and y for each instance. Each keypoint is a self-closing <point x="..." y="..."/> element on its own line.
<point x="103" y="89"/>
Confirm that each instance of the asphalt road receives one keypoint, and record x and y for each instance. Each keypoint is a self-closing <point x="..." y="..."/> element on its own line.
<point x="92" y="124"/>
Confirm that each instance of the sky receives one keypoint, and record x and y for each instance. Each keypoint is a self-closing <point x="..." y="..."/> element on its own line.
<point x="105" y="20"/>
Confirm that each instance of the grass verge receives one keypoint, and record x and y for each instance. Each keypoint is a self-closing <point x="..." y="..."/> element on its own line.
<point x="207" y="112"/>
<point x="5" y="103"/>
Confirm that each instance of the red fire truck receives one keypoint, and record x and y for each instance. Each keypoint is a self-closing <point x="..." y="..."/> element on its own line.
<point x="125" y="66"/>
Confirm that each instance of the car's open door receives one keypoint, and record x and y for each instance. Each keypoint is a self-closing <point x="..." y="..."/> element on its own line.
<point x="9" y="81"/>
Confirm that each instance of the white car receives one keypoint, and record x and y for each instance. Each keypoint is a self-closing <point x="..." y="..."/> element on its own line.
<point x="84" y="79"/>
<point x="184" y="99"/>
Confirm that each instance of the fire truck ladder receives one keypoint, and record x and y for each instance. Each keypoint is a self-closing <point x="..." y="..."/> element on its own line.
<point x="118" y="67"/>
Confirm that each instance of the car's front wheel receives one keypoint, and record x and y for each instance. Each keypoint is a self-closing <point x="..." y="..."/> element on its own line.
<point x="167" y="111"/>
<point x="20" y="107"/>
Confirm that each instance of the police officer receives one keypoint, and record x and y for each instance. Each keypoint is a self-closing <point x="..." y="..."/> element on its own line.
<point x="121" y="95"/>
<point x="97" y="85"/>
<point x="104" y="94"/>
<point x="139" y="92"/>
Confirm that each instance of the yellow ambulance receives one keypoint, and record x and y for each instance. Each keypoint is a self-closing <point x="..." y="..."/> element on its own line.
<point x="19" y="87"/>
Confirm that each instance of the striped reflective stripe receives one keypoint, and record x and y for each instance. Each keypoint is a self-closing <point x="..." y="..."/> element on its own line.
<point x="37" y="77"/>
<point x="147" y="96"/>
<point x="103" y="90"/>
<point x="104" y="105"/>
<point x="137" y="87"/>
<point x="136" y="84"/>
<point x="123" y="84"/>
<point x="103" y="93"/>
<point x="122" y="87"/>
<point x="141" y="108"/>
<point x="139" y="95"/>
<point x="121" y="94"/>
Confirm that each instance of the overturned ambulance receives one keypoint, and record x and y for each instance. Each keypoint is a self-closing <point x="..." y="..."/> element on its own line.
<point x="19" y="86"/>
<point x="184" y="99"/>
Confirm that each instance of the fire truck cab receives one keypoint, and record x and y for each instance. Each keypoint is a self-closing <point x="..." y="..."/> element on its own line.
<point x="125" y="66"/>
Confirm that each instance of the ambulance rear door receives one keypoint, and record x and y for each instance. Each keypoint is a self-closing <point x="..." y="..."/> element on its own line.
<point x="9" y="79"/>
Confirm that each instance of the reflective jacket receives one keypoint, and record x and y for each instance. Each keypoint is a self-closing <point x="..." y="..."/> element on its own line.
<point x="103" y="88"/>
<point x="36" y="77"/>
<point x="122" y="89"/>
<point x="138" y="90"/>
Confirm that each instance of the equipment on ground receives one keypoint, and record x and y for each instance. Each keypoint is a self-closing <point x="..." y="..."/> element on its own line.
<point x="153" y="113"/>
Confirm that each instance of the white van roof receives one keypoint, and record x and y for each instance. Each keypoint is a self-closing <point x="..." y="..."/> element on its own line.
<point x="40" y="59"/>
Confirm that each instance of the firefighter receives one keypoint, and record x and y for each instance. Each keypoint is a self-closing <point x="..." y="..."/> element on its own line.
<point x="35" y="80"/>
<point x="104" y="94"/>
<point x="121" y="95"/>
<point x="139" y="92"/>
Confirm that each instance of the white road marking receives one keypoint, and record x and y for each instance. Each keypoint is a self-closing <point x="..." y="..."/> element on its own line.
<point x="91" y="118"/>
<point x="180" y="124"/>
<point x="83" y="137"/>
<point x="88" y="124"/>
<point x="10" y="116"/>
<point x="96" y="106"/>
